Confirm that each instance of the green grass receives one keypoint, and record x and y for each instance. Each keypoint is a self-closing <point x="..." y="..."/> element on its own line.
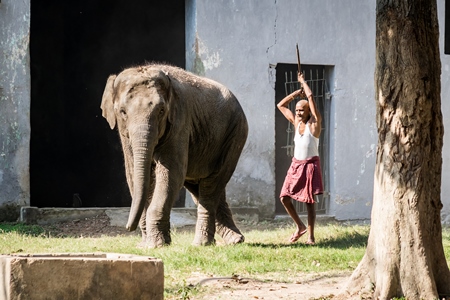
<point x="264" y="255"/>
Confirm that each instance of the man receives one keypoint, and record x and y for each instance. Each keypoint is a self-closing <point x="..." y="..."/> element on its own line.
<point x="304" y="177"/>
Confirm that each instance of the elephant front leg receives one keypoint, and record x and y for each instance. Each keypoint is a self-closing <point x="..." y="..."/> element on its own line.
<point x="158" y="213"/>
<point x="152" y="234"/>
<point x="143" y="227"/>
<point x="158" y="224"/>
<point x="205" y="228"/>
<point x="158" y="235"/>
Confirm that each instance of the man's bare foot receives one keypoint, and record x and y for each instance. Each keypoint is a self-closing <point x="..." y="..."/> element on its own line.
<point x="296" y="235"/>
<point x="310" y="242"/>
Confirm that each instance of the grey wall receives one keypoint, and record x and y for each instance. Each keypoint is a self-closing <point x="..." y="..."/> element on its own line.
<point x="239" y="43"/>
<point x="445" y="99"/>
<point x="14" y="105"/>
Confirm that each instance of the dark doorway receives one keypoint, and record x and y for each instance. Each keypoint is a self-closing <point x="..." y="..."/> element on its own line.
<point x="75" y="46"/>
<point x="286" y="83"/>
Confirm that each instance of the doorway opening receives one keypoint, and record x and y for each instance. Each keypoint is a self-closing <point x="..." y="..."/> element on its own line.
<point x="286" y="83"/>
<point x="74" y="47"/>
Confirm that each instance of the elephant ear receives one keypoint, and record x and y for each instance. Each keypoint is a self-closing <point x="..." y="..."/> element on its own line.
<point x="172" y="96"/>
<point x="107" y="105"/>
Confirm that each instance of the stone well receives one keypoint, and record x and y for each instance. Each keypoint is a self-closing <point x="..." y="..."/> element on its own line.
<point x="81" y="276"/>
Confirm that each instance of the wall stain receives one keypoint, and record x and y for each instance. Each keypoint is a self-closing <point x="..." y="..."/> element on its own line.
<point x="344" y="200"/>
<point x="14" y="103"/>
<point x="204" y="59"/>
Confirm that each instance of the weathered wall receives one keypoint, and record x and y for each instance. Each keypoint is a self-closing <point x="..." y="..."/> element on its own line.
<point x="14" y="106"/>
<point x="239" y="44"/>
<point x="445" y="100"/>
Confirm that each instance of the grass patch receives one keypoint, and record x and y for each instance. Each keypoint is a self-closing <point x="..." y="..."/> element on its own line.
<point x="264" y="256"/>
<point x="32" y="230"/>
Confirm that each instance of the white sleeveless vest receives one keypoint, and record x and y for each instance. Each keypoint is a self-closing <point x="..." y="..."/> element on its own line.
<point x="306" y="145"/>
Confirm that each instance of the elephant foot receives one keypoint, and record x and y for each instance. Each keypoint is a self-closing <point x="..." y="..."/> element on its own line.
<point x="230" y="236"/>
<point x="155" y="239"/>
<point x="202" y="242"/>
<point x="203" y="238"/>
<point x="151" y="245"/>
<point x="234" y="239"/>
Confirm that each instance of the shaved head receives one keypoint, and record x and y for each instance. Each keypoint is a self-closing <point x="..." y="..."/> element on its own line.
<point x="302" y="110"/>
<point x="302" y="103"/>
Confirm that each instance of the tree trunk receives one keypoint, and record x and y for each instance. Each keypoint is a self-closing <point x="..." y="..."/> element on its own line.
<point x="404" y="255"/>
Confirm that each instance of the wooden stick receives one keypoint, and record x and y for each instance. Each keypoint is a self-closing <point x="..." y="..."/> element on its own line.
<point x="298" y="58"/>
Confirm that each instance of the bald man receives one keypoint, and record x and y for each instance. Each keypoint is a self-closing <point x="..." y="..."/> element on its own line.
<point x="304" y="177"/>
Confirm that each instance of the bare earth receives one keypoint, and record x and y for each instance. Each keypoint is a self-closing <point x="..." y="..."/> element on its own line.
<point x="323" y="286"/>
<point x="246" y="288"/>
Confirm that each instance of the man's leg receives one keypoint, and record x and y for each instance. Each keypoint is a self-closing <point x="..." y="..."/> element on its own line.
<point x="301" y="228"/>
<point x="311" y="220"/>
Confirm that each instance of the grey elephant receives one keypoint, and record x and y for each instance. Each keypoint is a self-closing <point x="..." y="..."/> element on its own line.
<point x="176" y="129"/>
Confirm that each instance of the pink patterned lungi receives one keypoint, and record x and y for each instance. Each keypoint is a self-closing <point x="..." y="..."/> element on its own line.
<point x="303" y="180"/>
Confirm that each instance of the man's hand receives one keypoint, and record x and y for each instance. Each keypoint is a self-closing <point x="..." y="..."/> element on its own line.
<point x="301" y="93"/>
<point x="301" y="77"/>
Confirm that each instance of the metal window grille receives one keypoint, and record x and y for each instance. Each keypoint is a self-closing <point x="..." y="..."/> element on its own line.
<point x="322" y="97"/>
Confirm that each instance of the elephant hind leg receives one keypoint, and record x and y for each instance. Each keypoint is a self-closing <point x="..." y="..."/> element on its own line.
<point x="225" y="225"/>
<point x="213" y="216"/>
<point x="205" y="228"/>
<point x="194" y="190"/>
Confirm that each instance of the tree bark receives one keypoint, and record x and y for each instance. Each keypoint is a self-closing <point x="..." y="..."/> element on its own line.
<point x="405" y="255"/>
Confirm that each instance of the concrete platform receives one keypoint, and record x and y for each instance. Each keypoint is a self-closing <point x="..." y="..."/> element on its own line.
<point x="81" y="276"/>
<point x="179" y="217"/>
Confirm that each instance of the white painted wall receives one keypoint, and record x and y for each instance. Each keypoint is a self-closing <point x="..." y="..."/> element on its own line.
<point x="445" y="100"/>
<point x="239" y="44"/>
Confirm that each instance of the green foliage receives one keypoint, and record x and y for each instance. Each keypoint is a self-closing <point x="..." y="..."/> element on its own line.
<point x="19" y="228"/>
<point x="265" y="255"/>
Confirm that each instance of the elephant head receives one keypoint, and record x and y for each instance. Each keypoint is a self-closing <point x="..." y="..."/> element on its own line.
<point x="138" y="102"/>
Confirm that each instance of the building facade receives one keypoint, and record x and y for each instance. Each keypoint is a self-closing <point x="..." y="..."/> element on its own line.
<point x="249" y="46"/>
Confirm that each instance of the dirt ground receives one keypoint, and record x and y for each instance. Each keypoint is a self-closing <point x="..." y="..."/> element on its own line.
<point x="87" y="227"/>
<point x="323" y="286"/>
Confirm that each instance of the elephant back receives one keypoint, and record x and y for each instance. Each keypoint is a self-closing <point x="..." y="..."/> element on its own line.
<point x="215" y="121"/>
<point x="204" y="96"/>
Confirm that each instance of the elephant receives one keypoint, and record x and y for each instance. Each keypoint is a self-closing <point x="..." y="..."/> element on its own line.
<point x="176" y="129"/>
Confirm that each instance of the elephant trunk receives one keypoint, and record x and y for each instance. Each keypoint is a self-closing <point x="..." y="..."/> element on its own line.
<point x="143" y="154"/>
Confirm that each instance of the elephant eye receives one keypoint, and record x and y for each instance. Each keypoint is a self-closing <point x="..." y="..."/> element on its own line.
<point x="161" y="111"/>
<point x="123" y="113"/>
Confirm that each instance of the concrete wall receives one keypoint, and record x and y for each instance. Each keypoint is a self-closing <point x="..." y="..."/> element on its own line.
<point x="239" y="43"/>
<point x="14" y="106"/>
<point x="445" y="100"/>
